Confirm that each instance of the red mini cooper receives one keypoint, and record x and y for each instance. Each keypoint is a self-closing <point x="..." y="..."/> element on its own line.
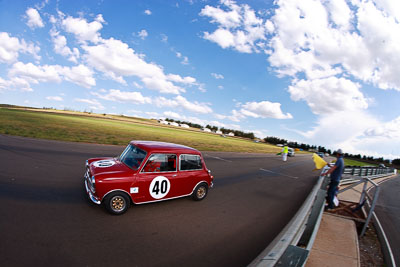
<point x="145" y="172"/>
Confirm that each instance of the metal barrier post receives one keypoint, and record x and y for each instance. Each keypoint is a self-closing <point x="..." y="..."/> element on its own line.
<point x="371" y="210"/>
<point x="362" y="198"/>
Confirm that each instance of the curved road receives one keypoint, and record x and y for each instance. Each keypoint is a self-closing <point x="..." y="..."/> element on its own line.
<point x="46" y="219"/>
<point x="388" y="212"/>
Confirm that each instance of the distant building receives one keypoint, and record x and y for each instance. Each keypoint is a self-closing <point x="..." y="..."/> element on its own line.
<point x="207" y="130"/>
<point x="218" y="132"/>
<point x="231" y="134"/>
<point x="163" y="122"/>
<point x="184" y="126"/>
<point x="174" y="124"/>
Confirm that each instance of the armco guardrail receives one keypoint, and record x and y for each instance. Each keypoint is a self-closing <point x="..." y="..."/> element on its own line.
<point x="351" y="174"/>
<point x="292" y="246"/>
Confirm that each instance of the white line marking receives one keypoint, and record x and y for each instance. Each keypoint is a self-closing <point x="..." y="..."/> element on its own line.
<point x="218" y="158"/>
<point x="261" y="169"/>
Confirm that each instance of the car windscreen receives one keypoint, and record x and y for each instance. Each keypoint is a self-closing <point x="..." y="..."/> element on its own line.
<point x="132" y="156"/>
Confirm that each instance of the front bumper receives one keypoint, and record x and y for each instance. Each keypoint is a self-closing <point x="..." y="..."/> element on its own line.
<point x="90" y="194"/>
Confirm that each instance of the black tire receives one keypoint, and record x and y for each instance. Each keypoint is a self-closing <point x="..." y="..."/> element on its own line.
<point x="200" y="192"/>
<point x="117" y="203"/>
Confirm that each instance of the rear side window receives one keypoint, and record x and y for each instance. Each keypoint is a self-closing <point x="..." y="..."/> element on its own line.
<point x="190" y="162"/>
<point x="160" y="163"/>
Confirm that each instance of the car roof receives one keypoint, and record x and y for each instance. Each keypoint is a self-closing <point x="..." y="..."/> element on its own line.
<point x="163" y="147"/>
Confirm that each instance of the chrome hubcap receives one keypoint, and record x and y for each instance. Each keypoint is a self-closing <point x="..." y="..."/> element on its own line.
<point x="117" y="203"/>
<point x="201" y="192"/>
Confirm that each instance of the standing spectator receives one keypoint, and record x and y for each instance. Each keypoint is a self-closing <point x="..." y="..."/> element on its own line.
<point x="336" y="174"/>
<point x="285" y="151"/>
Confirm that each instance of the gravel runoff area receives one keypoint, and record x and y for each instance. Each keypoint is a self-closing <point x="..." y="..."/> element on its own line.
<point x="370" y="249"/>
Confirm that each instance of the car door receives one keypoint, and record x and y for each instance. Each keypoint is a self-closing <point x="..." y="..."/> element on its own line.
<point x="156" y="180"/>
<point x="191" y="171"/>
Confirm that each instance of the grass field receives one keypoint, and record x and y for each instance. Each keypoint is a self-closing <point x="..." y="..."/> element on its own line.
<point x="351" y="162"/>
<point x="116" y="130"/>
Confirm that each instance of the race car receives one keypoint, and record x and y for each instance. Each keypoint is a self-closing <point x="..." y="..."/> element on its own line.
<point x="146" y="172"/>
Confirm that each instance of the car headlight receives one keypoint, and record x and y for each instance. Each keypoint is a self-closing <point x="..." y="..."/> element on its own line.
<point x="93" y="184"/>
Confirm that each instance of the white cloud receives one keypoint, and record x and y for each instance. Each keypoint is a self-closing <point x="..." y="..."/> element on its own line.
<point x="185" y="60"/>
<point x="381" y="140"/>
<point x="171" y="114"/>
<point x="357" y="132"/>
<point x="143" y="34"/>
<point x="54" y="98"/>
<point x="31" y="73"/>
<point x="181" y="102"/>
<point x="10" y="47"/>
<point x="229" y="19"/>
<point x="34" y="19"/>
<point x="80" y="75"/>
<point x="60" y="47"/>
<point x="238" y="27"/>
<point x="152" y="114"/>
<point x="120" y="96"/>
<point x="93" y="103"/>
<point x="36" y="74"/>
<point x="317" y="38"/>
<point x="332" y="38"/>
<point x="83" y="30"/>
<point x="264" y="109"/>
<point x="329" y="95"/>
<point x="116" y="60"/>
<point x="217" y="76"/>
<point x="147" y="12"/>
<point x="178" y="79"/>
<point x="164" y="38"/>
<point x="389" y="130"/>
<point x="13" y="83"/>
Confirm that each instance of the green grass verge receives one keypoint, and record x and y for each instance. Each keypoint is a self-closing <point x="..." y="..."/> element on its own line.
<point x="95" y="129"/>
<point x="351" y="162"/>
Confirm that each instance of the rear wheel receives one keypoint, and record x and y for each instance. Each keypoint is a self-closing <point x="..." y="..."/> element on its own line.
<point x="200" y="192"/>
<point x="117" y="203"/>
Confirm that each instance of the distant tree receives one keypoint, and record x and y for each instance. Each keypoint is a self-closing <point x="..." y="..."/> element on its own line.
<point x="274" y="140"/>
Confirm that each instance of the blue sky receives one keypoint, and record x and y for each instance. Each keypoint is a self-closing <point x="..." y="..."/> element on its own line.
<point x="316" y="72"/>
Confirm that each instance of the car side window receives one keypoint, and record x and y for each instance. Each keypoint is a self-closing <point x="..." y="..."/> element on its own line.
<point x="189" y="162"/>
<point x="160" y="163"/>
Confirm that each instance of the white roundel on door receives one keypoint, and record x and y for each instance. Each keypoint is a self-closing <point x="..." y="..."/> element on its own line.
<point x="159" y="187"/>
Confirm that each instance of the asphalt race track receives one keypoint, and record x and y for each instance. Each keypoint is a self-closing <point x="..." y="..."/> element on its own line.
<point x="388" y="211"/>
<point x="47" y="220"/>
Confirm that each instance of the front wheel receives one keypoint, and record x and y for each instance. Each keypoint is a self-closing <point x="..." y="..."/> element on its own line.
<point x="117" y="203"/>
<point x="200" y="192"/>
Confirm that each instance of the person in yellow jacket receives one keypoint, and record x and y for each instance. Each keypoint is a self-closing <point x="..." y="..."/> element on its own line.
<point x="285" y="152"/>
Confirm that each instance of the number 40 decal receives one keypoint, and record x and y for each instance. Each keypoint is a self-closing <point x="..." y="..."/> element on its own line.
<point x="159" y="187"/>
